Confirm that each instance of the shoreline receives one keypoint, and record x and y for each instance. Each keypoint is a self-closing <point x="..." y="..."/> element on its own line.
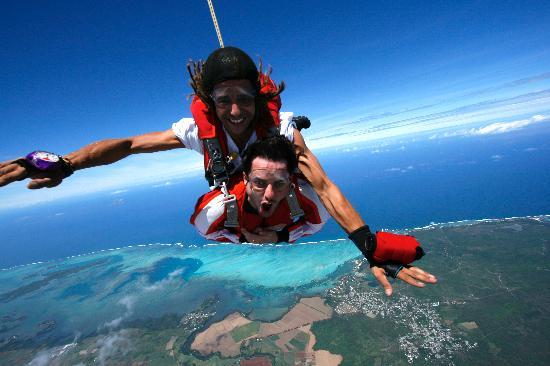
<point x="431" y="226"/>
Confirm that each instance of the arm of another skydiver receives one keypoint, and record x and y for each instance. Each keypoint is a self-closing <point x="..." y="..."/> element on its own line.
<point x="95" y="154"/>
<point x="346" y="216"/>
<point x="333" y="199"/>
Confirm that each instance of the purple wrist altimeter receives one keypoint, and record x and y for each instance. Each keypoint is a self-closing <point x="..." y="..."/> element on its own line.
<point x="46" y="161"/>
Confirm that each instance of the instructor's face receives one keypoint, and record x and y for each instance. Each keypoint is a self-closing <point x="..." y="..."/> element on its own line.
<point x="267" y="184"/>
<point x="235" y="105"/>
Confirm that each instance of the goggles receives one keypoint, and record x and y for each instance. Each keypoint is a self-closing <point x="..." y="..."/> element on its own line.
<point x="278" y="184"/>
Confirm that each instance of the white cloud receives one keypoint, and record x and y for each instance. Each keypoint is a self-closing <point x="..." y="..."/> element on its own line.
<point x="496" y="157"/>
<point x="41" y="359"/>
<point x="494" y="128"/>
<point x="128" y="302"/>
<point x="119" y="202"/>
<point x="53" y="356"/>
<point x="401" y="170"/>
<point x="165" y="184"/>
<point x="161" y="285"/>
<point x="504" y="127"/>
<point x="113" y="344"/>
<point x="350" y="149"/>
<point x="119" y="191"/>
<point x="435" y="117"/>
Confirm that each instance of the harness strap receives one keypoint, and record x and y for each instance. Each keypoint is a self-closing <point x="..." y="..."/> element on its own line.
<point x="231" y="209"/>
<point x="216" y="173"/>
<point x="218" y="176"/>
<point x="293" y="204"/>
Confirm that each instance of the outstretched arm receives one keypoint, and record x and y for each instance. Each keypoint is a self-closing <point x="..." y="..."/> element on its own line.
<point x="333" y="199"/>
<point x="98" y="153"/>
<point x="347" y="217"/>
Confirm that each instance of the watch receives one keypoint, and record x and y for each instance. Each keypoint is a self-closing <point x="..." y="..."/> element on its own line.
<point x="47" y="161"/>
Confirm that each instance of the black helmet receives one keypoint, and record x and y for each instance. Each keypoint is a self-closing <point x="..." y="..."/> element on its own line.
<point x="229" y="63"/>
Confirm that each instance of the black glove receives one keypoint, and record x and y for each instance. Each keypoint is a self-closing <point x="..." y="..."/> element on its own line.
<point x="301" y="122"/>
<point x="365" y="241"/>
<point x="391" y="269"/>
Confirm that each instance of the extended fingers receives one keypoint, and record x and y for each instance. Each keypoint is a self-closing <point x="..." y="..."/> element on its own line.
<point x="416" y="277"/>
<point x="46" y="179"/>
<point x="44" y="183"/>
<point x="380" y="276"/>
<point x="422" y="275"/>
<point x="10" y="172"/>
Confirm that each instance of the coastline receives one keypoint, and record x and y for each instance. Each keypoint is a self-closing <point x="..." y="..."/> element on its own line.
<point x="431" y="226"/>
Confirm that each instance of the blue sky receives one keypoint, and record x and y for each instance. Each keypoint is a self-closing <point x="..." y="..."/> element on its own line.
<point x="76" y="72"/>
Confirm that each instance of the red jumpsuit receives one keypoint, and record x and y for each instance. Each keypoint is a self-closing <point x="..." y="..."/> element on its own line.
<point x="209" y="216"/>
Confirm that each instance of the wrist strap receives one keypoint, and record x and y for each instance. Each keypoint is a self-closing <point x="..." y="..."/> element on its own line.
<point x="364" y="240"/>
<point x="392" y="269"/>
<point x="66" y="166"/>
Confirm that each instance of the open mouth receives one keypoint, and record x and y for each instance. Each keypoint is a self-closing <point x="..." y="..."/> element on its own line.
<point x="266" y="206"/>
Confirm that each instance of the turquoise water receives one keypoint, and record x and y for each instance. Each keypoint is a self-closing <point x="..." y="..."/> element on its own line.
<point x="88" y="293"/>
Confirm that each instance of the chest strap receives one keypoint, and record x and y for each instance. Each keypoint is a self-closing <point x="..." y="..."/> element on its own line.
<point x="217" y="175"/>
<point x="231" y="208"/>
<point x="293" y="204"/>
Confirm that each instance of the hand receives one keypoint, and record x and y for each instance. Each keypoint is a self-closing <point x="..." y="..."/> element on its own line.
<point x="301" y="122"/>
<point x="260" y="236"/>
<point x="414" y="276"/>
<point x="11" y="171"/>
<point x="48" y="179"/>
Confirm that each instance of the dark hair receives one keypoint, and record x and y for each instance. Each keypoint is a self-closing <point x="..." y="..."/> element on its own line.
<point x="275" y="148"/>
<point x="232" y="63"/>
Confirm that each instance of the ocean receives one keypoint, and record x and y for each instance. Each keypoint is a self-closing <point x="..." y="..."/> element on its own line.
<point x="394" y="185"/>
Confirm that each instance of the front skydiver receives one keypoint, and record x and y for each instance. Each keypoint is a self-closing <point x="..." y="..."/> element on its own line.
<point x="270" y="199"/>
<point x="229" y="85"/>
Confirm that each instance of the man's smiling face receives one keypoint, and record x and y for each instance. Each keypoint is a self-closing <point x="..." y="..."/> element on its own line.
<point x="235" y="104"/>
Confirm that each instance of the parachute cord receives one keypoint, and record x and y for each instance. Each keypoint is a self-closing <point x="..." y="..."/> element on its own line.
<point x="216" y="26"/>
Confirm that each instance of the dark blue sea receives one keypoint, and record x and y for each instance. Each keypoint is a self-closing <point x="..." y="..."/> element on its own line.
<point x="394" y="185"/>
